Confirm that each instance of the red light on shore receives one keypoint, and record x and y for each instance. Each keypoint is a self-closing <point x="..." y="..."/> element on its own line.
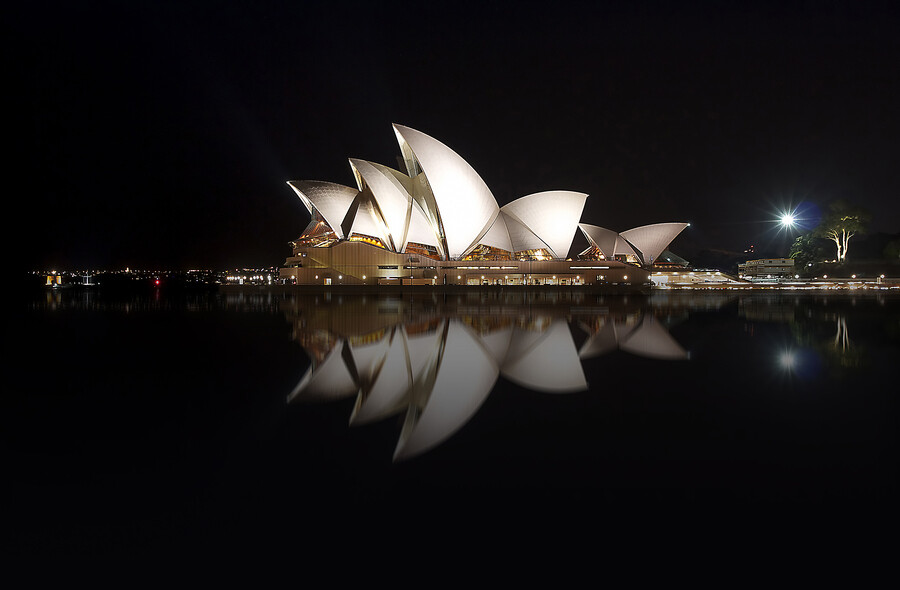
<point x="156" y="282"/>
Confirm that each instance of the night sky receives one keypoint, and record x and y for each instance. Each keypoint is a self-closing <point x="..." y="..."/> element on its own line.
<point x="161" y="135"/>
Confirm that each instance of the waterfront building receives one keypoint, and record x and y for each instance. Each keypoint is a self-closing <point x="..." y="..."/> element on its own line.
<point x="767" y="269"/>
<point x="438" y="223"/>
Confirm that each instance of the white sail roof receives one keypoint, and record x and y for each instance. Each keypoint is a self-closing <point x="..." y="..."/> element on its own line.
<point x="420" y="230"/>
<point x="551" y="215"/>
<point x="651" y="240"/>
<point x="392" y="197"/>
<point x="367" y="219"/>
<point x="465" y="204"/>
<point x="600" y="237"/>
<point x="624" y="247"/>
<point x="331" y="200"/>
<point x="521" y="238"/>
<point x="498" y="235"/>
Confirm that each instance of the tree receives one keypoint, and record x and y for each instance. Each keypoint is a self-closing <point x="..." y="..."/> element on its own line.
<point x="842" y="222"/>
<point x="808" y="251"/>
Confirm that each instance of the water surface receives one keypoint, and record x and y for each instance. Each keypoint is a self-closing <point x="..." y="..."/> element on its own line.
<point x="180" y="418"/>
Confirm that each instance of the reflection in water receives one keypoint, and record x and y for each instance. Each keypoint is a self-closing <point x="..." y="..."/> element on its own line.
<point x="173" y="401"/>
<point x="821" y="328"/>
<point x="434" y="361"/>
<point x="827" y="332"/>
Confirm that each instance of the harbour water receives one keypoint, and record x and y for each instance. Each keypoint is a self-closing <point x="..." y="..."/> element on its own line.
<point x="178" y="418"/>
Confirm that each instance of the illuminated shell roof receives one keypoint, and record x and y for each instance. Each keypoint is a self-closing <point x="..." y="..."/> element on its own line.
<point x="331" y="200"/>
<point x="394" y="202"/>
<point x="623" y="246"/>
<point x="551" y="216"/>
<point x="645" y="243"/>
<point x="466" y="206"/>
<point x="420" y="230"/>
<point x="498" y="235"/>
<point x="651" y="240"/>
<point x="367" y="219"/>
<point x="443" y="203"/>
<point x="600" y="237"/>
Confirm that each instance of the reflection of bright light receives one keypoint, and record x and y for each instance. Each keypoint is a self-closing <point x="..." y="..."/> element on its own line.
<point x="788" y="360"/>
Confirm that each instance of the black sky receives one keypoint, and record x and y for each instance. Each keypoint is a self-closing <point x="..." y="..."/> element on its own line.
<point x="162" y="135"/>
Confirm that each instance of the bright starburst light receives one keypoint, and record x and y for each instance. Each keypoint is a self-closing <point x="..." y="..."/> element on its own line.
<point x="801" y="217"/>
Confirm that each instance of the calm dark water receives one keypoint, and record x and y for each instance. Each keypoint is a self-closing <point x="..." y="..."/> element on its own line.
<point x="185" y="420"/>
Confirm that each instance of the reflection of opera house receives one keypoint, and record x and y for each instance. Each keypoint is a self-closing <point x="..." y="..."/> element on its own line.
<point x="434" y="363"/>
<point x="439" y="224"/>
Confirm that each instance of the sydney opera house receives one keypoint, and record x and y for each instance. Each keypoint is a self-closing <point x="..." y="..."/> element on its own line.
<point x="438" y="223"/>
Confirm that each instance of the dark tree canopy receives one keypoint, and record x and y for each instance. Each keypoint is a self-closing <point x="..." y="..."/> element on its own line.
<point x="808" y="251"/>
